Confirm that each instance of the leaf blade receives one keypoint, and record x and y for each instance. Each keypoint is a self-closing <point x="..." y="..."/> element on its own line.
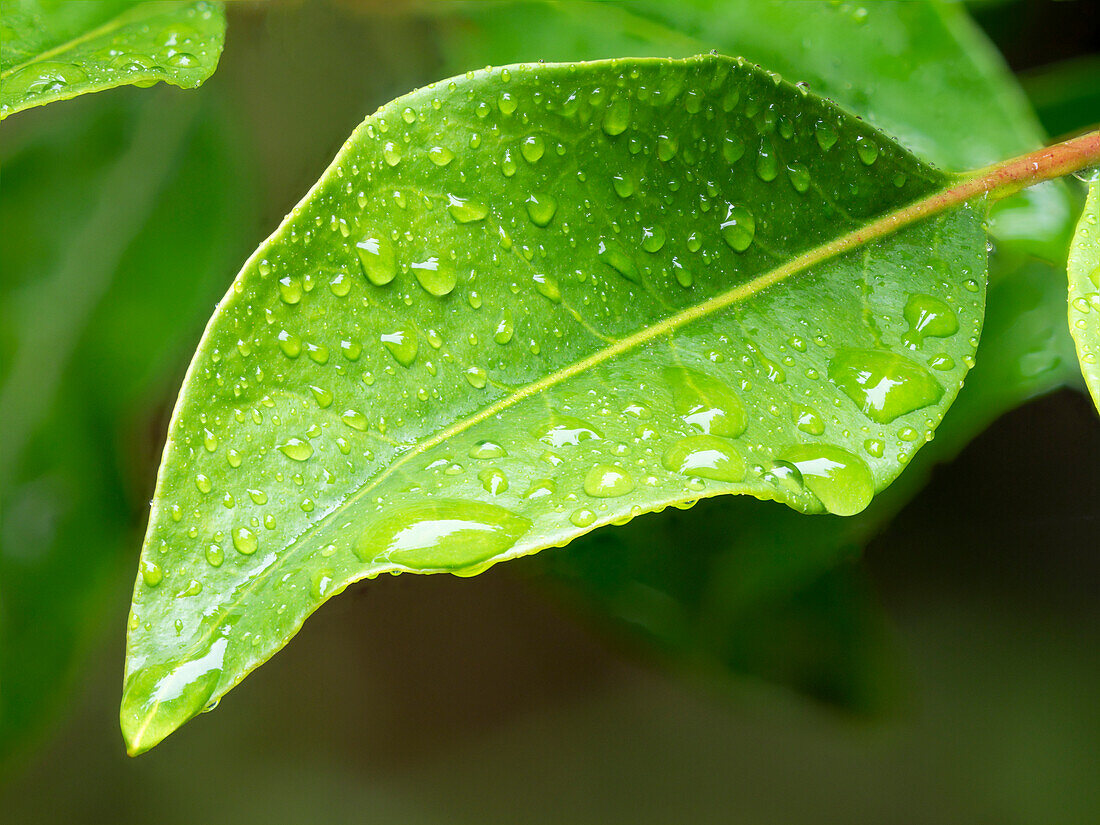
<point x="1084" y="291"/>
<point x="59" y="51"/>
<point x="552" y="458"/>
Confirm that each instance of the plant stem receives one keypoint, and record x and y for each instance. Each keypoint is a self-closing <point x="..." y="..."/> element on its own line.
<point x="999" y="180"/>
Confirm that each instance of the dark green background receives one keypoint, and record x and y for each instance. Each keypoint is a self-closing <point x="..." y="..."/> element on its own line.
<point x="963" y="651"/>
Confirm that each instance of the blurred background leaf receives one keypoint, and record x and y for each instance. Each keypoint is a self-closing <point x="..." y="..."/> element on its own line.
<point x="57" y="50"/>
<point x="445" y="700"/>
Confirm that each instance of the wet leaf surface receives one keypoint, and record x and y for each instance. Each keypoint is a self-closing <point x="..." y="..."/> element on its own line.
<point x="527" y="303"/>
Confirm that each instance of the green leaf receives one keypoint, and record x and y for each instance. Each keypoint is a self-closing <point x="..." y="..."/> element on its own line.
<point x="56" y="51"/>
<point x="527" y="303"/>
<point x="1084" y="290"/>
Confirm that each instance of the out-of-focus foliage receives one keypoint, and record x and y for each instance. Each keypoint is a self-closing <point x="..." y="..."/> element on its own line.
<point x="151" y="197"/>
<point x="58" y="50"/>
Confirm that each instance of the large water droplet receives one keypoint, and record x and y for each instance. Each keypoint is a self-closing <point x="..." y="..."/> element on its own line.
<point x="377" y="257"/>
<point x="767" y="163"/>
<point x="547" y="286"/>
<point x="653" y="238"/>
<point x="493" y="480"/>
<point x="617" y="117"/>
<point x="297" y="449"/>
<point x="245" y="541"/>
<point x="867" y="150"/>
<point x="607" y="481"/>
<point x="441" y="155"/>
<point x="532" y="148"/>
<point x="883" y="385"/>
<point x="440" y="535"/>
<point x="464" y="210"/>
<point x="402" y="345"/>
<point x="928" y="317"/>
<point x="436" y="274"/>
<point x="705" y="402"/>
<point x="841" y="480"/>
<point x="541" y="208"/>
<point x="739" y="227"/>
<point x="704" y="456"/>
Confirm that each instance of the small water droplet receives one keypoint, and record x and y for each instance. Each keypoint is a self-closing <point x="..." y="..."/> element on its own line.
<point x="493" y="480"/>
<point x="826" y="135"/>
<point x="928" y="317"/>
<point x="653" y="238"/>
<point x="547" y="286"/>
<point x="867" y="150"/>
<point x="440" y="155"/>
<point x="733" y="148"/>
<point x="767" y="163"/>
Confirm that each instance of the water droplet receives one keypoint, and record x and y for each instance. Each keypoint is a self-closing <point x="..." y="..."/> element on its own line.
<point x="547" y="286"/>
<point x="617" y="117"/>
<point x="258" y="496"/>
<point x="883" y="385"/>
<point x="506" y="103"/>
<point x="826" y="135"/>
<point x="290" y="344"/>
<point x="290" y="290"/>
<point x="487" y="449"/>
<point x="623" y="185"/>
<point x="476" y="377"/>
<point x="42" y="78"/>
<point x="739" y="227"/>
<point x="437" y="275"/>
<point x="377" y="258"/>
<point x="203" y="483"/>
<point x="245" y="541"/>
<point x="841" y="480"/>
<point x="799" y="176"/>
<point x="733" y="148"/>
<point x="322" y="396"/>
<point x="296" y="449"/>
<point x="616" y="257"/>
<point x="209" y="440"/>
<point x="532" y="148"/>
<point x="355" y="419"/>
<point x="493" y="480"/>
<point x="667" y="147"/>
<point x="561" y="430"/>
<point x="391" y="153"/>
<point x="402" y="345"/>
<point x="214" y="555"/>
<point x="582" y="517"/>
<point x="440" y="155"/>
<point x="151" y="573"/>
<point x="704" y="456"/>
<point x="928" y="317"/>
<point x="464" y="210"/>
<point x="541" y="208"/>
<point x="767" y="163"/>
<point x="866" y="149"/>
<point x="875" y="447"/>
<point x="606" y="481"/>
<point x="505" y="328"/>
<point x="809" y="421"/>
<point x="706" y="402"/>
<point x="653" y="238"/>
<point x="440" y="535"/>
